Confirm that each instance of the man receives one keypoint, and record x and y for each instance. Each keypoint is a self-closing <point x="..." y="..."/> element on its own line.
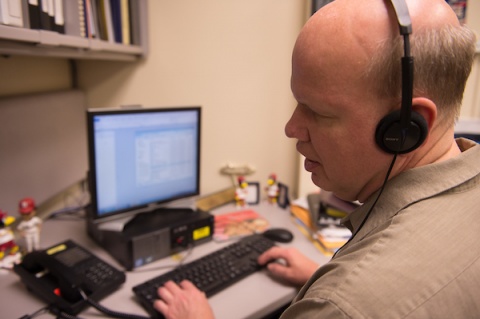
<point x="415" y="252"/>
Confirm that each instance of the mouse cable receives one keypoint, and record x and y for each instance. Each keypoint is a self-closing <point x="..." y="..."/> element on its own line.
<point x="38" y="312"/>
<point x="373" y="205"/>
<point x="60" y="313"/>
<point x="109" y="312"/>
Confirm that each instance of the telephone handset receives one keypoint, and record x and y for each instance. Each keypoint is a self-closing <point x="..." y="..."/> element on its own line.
<point x="58" y="274"/>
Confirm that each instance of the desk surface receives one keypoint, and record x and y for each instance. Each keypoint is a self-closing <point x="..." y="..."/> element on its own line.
<point x="252" y="297"/>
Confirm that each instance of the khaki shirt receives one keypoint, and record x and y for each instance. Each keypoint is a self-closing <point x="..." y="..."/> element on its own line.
<point x="418" y="254"/>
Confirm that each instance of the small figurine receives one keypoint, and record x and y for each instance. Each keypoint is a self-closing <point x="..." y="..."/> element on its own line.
<point x="272" y="189"/>
<point x="9" y="250"/>
<point x="31" y="225"/>
<point x="241" y="193"/>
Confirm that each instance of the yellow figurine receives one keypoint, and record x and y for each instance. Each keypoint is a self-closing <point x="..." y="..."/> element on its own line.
<point x="272" y="189"/>
<point x="241" y="193"/>
<point x="9" y="250"/>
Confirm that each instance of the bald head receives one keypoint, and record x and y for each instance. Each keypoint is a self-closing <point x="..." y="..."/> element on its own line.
<point x="346" y="27"/>
<point x="363" y="43"/>
<point x="374" y="20"/>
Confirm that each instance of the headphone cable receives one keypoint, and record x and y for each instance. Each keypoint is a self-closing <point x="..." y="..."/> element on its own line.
<point x="373" y="205"/>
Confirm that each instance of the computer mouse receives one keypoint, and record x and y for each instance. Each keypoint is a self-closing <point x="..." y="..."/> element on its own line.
<point x="280" y="235"/>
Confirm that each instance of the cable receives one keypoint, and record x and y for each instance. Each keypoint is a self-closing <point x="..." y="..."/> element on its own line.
<point x="39" y="312"/>
<point x="61" y="314"/>
<point x="109" y="312"/>
<point x="373" y="205"/>
<point x="68" y="213"/>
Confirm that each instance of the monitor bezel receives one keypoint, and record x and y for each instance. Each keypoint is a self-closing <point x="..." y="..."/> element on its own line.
<point x="93" y="211"/>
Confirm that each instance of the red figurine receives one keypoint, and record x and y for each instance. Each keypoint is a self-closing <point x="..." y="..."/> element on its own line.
<point x="30" y="225"/>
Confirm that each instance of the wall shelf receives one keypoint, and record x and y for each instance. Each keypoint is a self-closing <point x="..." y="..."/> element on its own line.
<point x="44" y="43"/>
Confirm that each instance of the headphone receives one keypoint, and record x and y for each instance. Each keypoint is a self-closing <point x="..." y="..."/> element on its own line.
<point x="403" y="130"/>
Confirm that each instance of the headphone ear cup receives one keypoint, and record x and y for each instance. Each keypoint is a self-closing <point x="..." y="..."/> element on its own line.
<point x="389" y="133"/>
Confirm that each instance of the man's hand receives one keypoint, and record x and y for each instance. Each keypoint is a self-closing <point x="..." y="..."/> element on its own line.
<point x="297" y="268"/>
<point x="182" y="301"/>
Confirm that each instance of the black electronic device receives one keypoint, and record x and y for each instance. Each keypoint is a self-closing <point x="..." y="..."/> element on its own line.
<point x="211" y="273"/>
<point x="140" y="158"/>
<point x="282" y="235"/>
<point x="142" y="162"/>
<point x="153" y="235"/>
<point x="404" y="130"/>
<point x="58" y="274"/>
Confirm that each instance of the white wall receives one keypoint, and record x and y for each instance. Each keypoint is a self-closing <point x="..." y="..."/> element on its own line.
<point x="230" y="57"/>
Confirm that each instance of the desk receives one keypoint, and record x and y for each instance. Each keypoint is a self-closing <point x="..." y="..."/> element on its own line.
<point x="253" y="297"/>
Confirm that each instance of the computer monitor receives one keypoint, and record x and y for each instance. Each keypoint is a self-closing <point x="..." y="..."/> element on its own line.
<point x="142" y="158"/>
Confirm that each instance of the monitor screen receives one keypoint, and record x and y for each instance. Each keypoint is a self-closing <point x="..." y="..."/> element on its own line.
<point x="142" y="157"/>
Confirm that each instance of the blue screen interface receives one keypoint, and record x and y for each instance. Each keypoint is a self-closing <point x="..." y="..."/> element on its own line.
<point x="145" y="157"/>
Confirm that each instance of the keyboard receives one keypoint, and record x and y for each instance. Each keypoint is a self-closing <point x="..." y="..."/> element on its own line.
<point x="211" y="273"/>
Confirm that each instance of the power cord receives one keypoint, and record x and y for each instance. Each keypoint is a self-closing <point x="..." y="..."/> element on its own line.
<point x="60" y="314"/>
<point x="39" y="312"/>
<point x="105" y="310"/>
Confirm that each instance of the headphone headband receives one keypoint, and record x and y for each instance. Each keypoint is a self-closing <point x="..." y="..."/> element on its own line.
<point x="403" y="16"/>
<point x="405" y="25"/>
<point x="403" y="131"/>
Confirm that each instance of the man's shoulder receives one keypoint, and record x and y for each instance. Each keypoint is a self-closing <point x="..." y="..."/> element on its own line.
<point x="406" y="261"/>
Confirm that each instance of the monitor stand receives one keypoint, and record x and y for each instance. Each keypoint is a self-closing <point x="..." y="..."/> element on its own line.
<point x="117" y="224"/>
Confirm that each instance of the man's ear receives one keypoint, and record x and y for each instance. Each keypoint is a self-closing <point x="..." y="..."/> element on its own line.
<point x="427" y="109"/>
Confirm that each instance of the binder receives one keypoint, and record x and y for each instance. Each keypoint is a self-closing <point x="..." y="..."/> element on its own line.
<point x="125" y="18"/>
<point x="59" y="19"/>
<point x="51" y="15"/>
<point x="89" y="26"/>
<point x="82" y="18"/>
<point x="26" y="20"/>
<point x="74" y="18"/>
<point x="94" y="18"/>
<point x="101" y="19"/>
<point x="44" y="16"/>
<point x="116" y="20"/>
<point x="135" y="33"/>
<point x="11" y="13"/>
<point x="108" y="20"/>
<point x="34" y="14"/>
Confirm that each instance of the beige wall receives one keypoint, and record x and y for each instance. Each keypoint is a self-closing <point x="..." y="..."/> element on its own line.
<point x="471" y="98"/>
<point x="473" y="13"/>
<point x="230" y="57"/>
<point x="20" y="75"/>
